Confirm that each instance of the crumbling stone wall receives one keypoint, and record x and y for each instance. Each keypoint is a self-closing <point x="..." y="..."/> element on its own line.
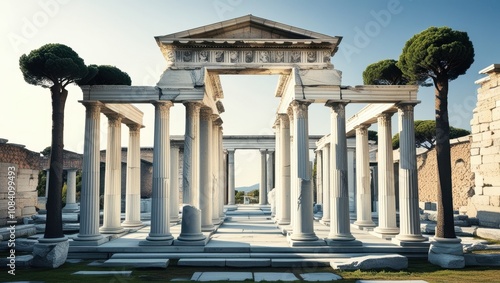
<point x="485" y="150"/>
<point x="27" y="165"/>
<point x="462" y="177"/>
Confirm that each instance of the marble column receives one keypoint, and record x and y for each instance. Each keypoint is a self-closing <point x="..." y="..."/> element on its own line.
<point x="174" y="184"/>
<point x="326" y="185"/>
<point x="205" y="181"/>
<point x="409" y="216"/>
<point x="263" y="178"/>
<point x="363" y="180"/>
<point x="293" y="168"/>
<point x="340" y="231"/>
<point x="191" y="168"/>
<point x="351" y="179"/>
<point x="230" y="177"/>
<point x="387" y="226"/>
<point x="277" y="171"/>
<point x="303" y="229"/>
<point x="71" y="205"/>
<point x="222" y="173"/>
<point x="133" y="185"/>
<point x="89" y="196"/>
<point x="113" y="177"/>
<point x="215" y="169"/>
<point x="319" y="176"/>
<point x="160" y="215"/>
<point x="284" y="170"/>
<point x="47" y="174"/>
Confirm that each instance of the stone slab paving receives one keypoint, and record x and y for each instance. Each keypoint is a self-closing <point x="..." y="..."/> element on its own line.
<point x="202" y="262"/>
<point x="248" y="262"/>
<point x="274" y="276"/>
<point x="221" y="276"/>
<point x="137" y="262"/>
<point x="125" y="273"/>
<point x="320" y="276"/>
<point x="391" y="281"/>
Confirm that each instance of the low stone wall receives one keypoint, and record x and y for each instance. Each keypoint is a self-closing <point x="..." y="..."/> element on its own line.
<point x="25" y="165"/>
<point x="462" y="177"/>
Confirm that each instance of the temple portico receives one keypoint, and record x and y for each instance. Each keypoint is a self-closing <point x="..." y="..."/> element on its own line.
<point x="302" y="59"/>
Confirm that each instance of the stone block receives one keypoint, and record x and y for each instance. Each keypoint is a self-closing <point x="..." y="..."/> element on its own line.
<point x="320" y="276"/>
<point x="491" y="191"/>
<point x="495" y="125"/>
<point x="274" y="276"/>
<point x="495" y="114"/>
<point x="482" y="259"/>
<point x="475" y="151"/>
<point x="21" y="261"/>
<point x="484" y="127"/>
<point x="480" y="200"/>
<point x="485" y="116"/>
<point x="248" y="262"/>
<point x="487" y="142"/>
<point x="488" y="233"/>
<point x="476" y="137"/>
<point x="222" y="276"/>
<point x="396" y="262"/>
<point x="137" y="262"/>
<point x="28" y="211"/>
<point x="447" y="253"/>
<point x="50" y="255"/>
<point x="495" y="201"/>
<point x="476" y="159"/>
<point x="202" y="262"/>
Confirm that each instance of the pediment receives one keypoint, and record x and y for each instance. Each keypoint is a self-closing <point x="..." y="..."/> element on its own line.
<point x="246" y="28"/>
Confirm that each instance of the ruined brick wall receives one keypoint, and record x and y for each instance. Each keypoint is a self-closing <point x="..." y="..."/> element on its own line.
<point x="26" y="165"/>
<point x="462" y="177"/>
<point x="485" y="150"/>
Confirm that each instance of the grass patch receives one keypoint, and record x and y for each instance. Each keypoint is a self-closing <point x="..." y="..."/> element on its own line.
<point x="417" y="270"/>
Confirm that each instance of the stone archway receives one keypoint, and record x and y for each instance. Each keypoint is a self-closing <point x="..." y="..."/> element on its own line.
<point x="252" y="45"/>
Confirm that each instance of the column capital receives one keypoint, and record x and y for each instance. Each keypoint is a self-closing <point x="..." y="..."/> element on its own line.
<point x="134" y="127"/>
<point x="206" y="113"/>
<point x="362" y="129"/>
<point x="92" y="109"/>
<point x="300" y="107"/>
<point x="163" y="105"/>
<point x="285" y="120"/>
<point x="218" y="121"/>
<point x="193" y="104"/>
<point x="334" y="102"/>
<point x="263" y="151"/>
<point x="114" y="119"/>
<point x="230" y="150"/>
<point x="289" y="112"/>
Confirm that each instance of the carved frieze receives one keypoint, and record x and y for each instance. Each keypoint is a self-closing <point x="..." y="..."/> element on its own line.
<point x="192" y="57"/>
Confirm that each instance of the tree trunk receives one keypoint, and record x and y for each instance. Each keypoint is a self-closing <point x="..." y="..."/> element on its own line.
<point x="53" y="227"/>
<point x="445" y="224"/>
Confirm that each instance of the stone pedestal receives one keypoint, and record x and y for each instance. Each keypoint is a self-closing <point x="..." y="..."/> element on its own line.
<point x="363" y="180"/>
<point x="387" y="226"/>
<point x="409" y="214"/>
<point x="160" y="214"/>
<point x="447" y="253"/>
<point x="340" y="230"/>
<point x="89" y="199"/>
<point x="133" y="185"/>
<point x="50" y="253"/>
<point x="71" y="205"/>
<point x="191" y="234"/>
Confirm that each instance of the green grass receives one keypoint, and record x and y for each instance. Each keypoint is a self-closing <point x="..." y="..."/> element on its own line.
<point x="418" y="270"/>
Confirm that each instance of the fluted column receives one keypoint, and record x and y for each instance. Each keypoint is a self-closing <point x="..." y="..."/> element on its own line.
<point x="160" y="214"/>
<point x="174" y="184"/>
<point x="340" y="231"/>
<point x="222" y="173"/>
<point x="112" y="178"/>
<point x="409" y="217"/>
<point x="284" y="170"/>
<point x="277" y="170"/>
<point x="47" y="174"/>
<point x="326" y="185"/>
<point x="363" y="178"/>
<point x="293" y="168"/>
<point x="319" y="176"/>
<point x="303" y="229"/>
<point x="387" y="226"/>
<point x="205" y="182"/>
<point x="133" y="185"/>
<point x="71" y="205"/>
<point x="270" y="171"/>
<point x="230" y="178"/>
<point x="263" y="178"/>
<point x="215" y="169"/>
<point x="89" y="196"/>
<point x="191" y="168"/>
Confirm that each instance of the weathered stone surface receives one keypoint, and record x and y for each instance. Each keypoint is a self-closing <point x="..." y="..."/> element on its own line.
<point x="320" y="276"/>
<point x="396" y="262"/>
<point x="482" y="259"/>
<point x="50" y="254"/>
<point x="22" y="245"/>
<point x="21" y="261"/>
<point x="19" y="231"/>
<point x="488" y="233"/>
<point x="447" y="253"/>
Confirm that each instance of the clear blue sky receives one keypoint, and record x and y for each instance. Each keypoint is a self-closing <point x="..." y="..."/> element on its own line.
<point x="121" y="33"/>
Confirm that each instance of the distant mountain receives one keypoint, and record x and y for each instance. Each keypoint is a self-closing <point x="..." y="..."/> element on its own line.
<point x="248" y="188"/>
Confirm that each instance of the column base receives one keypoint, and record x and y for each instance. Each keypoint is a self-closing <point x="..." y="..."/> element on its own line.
<point x="71" y="207"/>
<point x="343" y="242"/>
<point x="165" y="240"/>
<point x="283" y="222"/>
<point x="340" y="237"/>
<point x="183" y="242"/>
<point x="410" y="241"/>
<point x="303" y="237"/>
<point x="208" y="228"/>
<point x="385" y="233"/>
<point x="92" y="240"/>
<point x="325" y="222"/>
<point x="446" y="252"/>
<point x="52" y="240"/>
<point x="111" y="230"/>
<point x="361" y="225"/>
<point x="132" y="224"/>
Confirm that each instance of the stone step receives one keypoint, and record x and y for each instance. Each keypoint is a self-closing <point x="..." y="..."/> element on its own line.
<point x="137" y="262"/>
<point x="257" y="262"/>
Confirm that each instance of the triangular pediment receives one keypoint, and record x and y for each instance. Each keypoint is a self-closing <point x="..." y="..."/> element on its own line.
<point x="245" y="28"/>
